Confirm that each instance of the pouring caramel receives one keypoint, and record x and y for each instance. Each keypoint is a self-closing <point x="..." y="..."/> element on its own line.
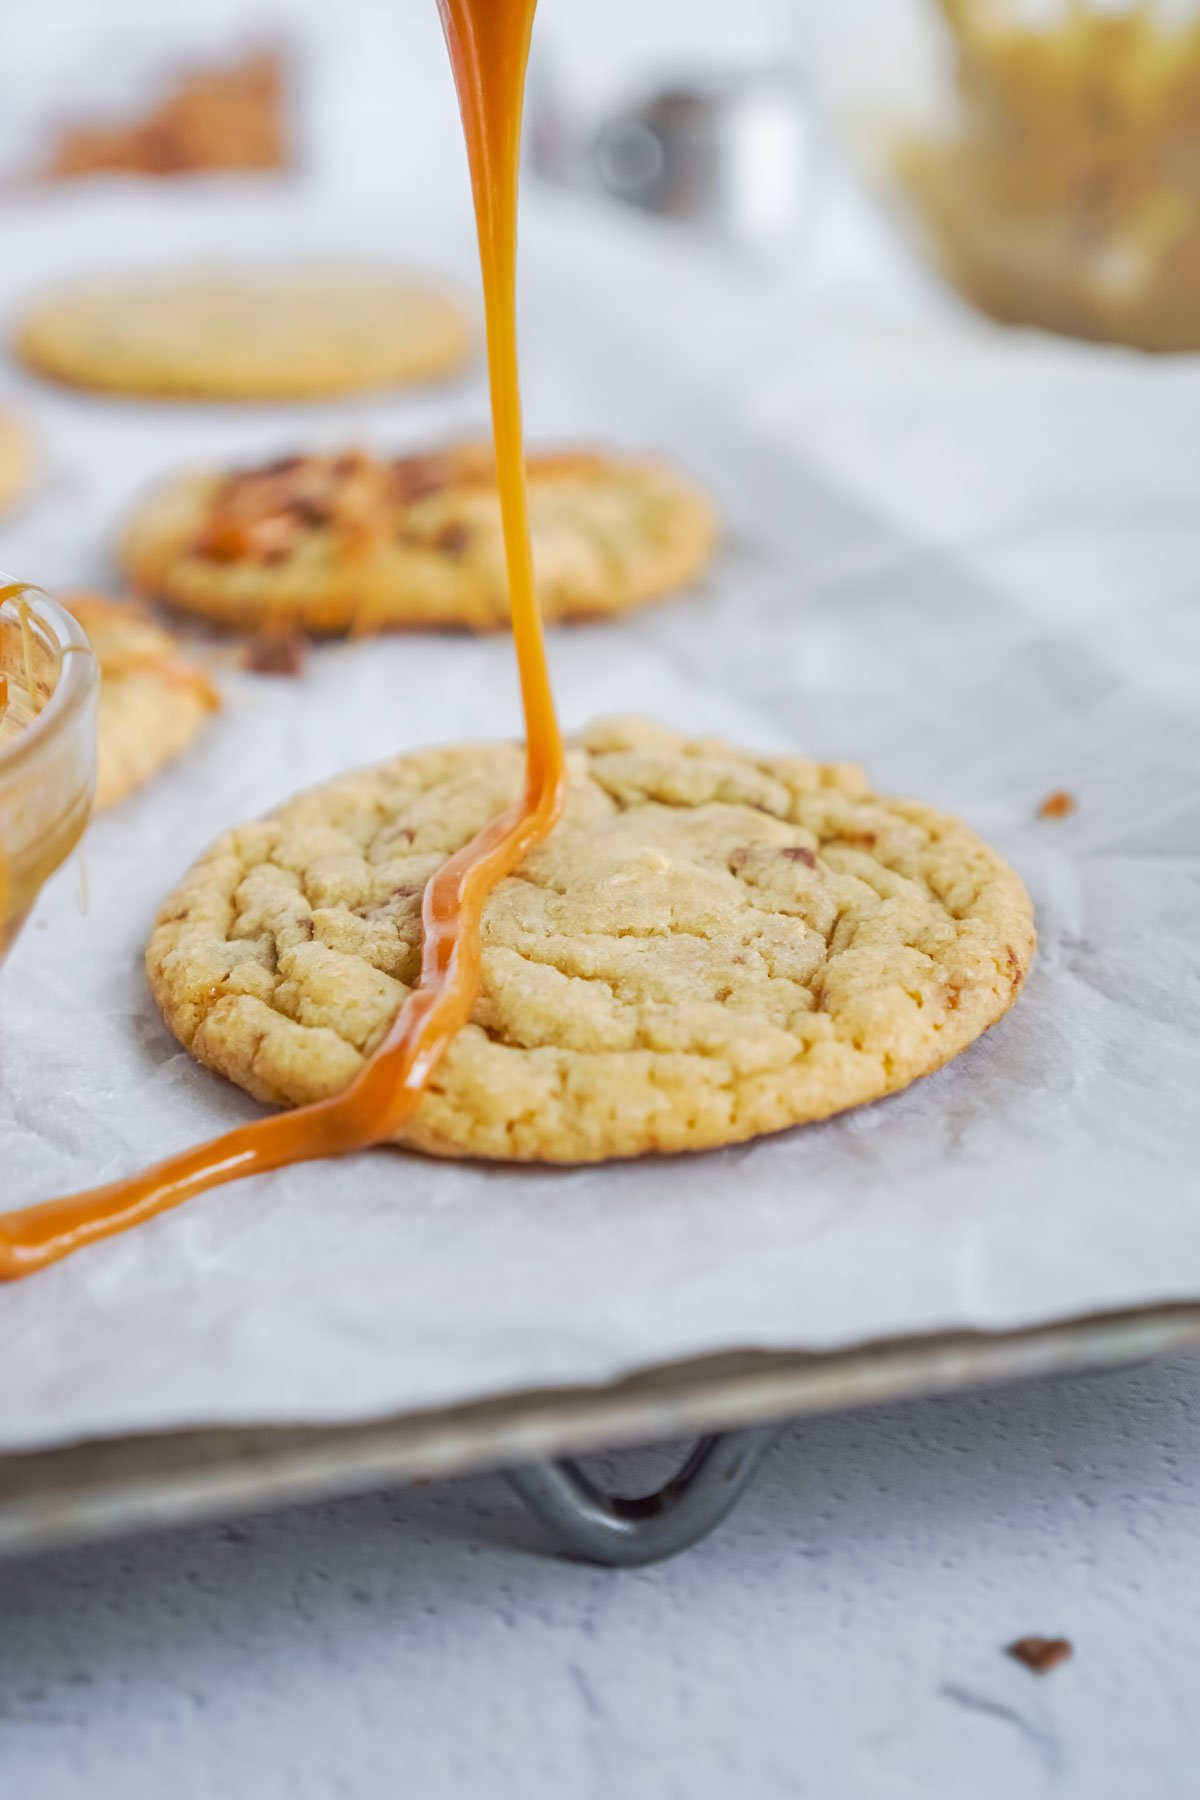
<point x="488" y="42"/>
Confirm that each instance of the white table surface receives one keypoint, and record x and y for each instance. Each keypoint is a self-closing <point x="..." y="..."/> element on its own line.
<point x="839" y="1639"/>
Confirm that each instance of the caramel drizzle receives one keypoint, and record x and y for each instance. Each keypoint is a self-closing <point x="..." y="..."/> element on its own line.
<point x="489" y="46"/>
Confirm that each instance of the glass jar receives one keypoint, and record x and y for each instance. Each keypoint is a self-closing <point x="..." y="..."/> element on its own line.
<point x="1047" y="151"/>
<point x="47" y="746"/>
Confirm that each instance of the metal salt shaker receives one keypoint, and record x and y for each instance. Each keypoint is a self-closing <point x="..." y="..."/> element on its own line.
<point x="729" y="153"/>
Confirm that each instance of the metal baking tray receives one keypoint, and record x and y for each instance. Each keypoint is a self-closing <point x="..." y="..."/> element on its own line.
<point x="54" y="1498"/>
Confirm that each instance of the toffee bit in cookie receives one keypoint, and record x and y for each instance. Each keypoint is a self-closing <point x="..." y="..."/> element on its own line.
<point x="261" y="515"/>
<point x="1041" y="1654"/>
<point x="413" y="478"/>
<point x="231" y="540"/>
<point x="1057" y="805"/>
<point x="453" y="538"/>
<point x="306" y="511"/>
<point x="276" y="653"/>
<point x="797" y="853"/>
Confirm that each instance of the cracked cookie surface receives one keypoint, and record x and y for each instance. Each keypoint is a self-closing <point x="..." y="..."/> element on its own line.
<point x="360" y="543"/>
<point x="709" y="946"/>
<point x="246" y="334"/>
<point x="153" y="701"/>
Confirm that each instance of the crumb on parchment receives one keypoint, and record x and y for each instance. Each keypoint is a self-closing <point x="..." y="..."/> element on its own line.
<point x="276" y="653"/>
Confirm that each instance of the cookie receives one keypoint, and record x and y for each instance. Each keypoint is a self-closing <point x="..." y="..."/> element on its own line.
<point x="153" y="702"/>
<point x="709" y="946"/>
<point x="353" y="542"/>
<point x="265" y="334"/>
<point x="16" y="460"/>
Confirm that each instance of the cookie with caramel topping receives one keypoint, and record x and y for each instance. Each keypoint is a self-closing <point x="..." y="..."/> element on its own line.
<point x="153" y="702"/>
<point x="709" y="946"/>
<point x="246" y="334"/>
<point x="359" y="543"/>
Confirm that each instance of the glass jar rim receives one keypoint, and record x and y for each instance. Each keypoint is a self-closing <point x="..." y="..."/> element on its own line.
<point x="77" y="677"/>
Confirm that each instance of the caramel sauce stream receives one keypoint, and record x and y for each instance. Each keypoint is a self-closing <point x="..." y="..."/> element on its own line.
<point x="489" y="46"/>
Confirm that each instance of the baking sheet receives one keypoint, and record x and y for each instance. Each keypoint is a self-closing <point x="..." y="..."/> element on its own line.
<point x="967" y="560"/>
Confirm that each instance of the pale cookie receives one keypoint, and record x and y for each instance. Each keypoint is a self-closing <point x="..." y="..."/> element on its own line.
<point x="16" y="460"/>
<point x="153" y="701"/>
<point x="355" y="543"/>
<point x="282" y="334"/>
<point x="709" y="946"/>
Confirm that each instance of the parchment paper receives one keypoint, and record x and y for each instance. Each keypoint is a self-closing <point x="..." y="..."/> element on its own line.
<point x="968" y="560"/>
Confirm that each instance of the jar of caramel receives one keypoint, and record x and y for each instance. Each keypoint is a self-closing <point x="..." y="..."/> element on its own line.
<point x="48" y="684"/>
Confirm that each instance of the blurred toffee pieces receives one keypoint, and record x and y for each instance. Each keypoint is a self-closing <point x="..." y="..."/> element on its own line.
<point x="359" y="543"/>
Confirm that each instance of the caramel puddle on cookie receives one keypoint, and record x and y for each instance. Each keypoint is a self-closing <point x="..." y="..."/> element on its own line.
<point x="489" y="46"/>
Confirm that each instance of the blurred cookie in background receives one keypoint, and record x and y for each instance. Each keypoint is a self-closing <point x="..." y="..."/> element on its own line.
<point x="154" y="700"/>
<point x="246" y="333"/>
<point x="225" y="118"/>
<point x="359" y="543"/>
<point x="16" y="460"/>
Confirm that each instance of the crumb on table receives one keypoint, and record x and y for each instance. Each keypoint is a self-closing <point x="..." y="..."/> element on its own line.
<point x="1057" y="805"/>
<point x="1041" y="1654"/>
